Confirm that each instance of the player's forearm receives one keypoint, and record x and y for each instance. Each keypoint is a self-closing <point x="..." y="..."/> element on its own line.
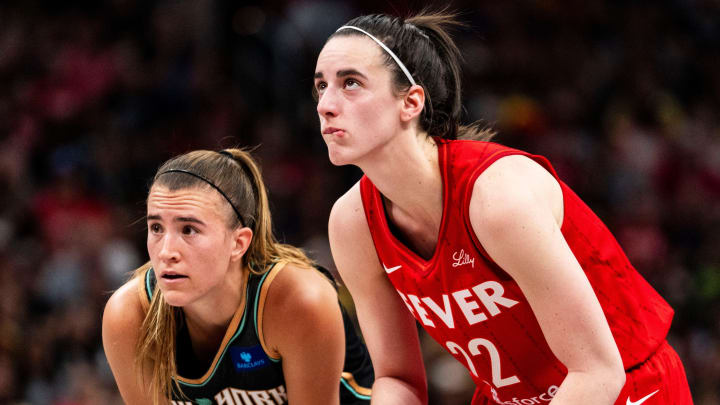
<point x="592" y="388"/>
<point x="390" y="390"/>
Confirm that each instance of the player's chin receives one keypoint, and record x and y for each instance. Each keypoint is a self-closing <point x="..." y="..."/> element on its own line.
<point x="336" y="156"/>
<point x="176" y="298"/>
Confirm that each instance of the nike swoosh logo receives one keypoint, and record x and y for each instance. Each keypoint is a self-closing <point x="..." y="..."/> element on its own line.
<point x="641" y="400"/>
<point x="391" y="269"/>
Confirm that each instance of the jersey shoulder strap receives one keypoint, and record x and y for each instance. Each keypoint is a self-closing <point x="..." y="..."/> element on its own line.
<point x="146" y="285"/>
<point x="258" y="287"/>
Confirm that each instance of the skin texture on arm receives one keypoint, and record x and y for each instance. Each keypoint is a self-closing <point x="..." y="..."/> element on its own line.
<point x="516" y="212"/>
<point x="388" y="328"/>
<point x="121" y="323"/>
<point x="303" y="324"/>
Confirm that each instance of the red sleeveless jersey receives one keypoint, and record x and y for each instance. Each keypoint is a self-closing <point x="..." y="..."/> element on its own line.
<point x="477" y="312"/>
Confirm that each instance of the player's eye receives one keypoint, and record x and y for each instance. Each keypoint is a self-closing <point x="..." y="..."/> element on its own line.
<point x="189" y="230"/>
<point x="351" y="84"/>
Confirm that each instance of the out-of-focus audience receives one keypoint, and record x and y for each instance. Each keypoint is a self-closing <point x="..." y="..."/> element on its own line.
<point x="622" y="96"/>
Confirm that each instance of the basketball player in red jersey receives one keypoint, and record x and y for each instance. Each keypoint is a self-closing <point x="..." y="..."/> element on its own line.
<point x="483" y="245"/>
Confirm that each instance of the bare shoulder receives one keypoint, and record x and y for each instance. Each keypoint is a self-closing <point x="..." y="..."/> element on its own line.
<point x="301" y="305"/>
<point x="350" y="240"/>
<point x="347" y="214"/>
<point x="511" y="185"/>
<point x="124" y="308"/>
<point x="348" y="232"/>
<point x="300" y="288"/>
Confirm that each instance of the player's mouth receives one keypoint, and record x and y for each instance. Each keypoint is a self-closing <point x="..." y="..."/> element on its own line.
<point x="171" y="275"/>
<point x="333" y="131"/>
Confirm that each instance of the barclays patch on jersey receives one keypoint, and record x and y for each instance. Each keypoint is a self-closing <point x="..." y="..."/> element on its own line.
<point x="248" y="358"/>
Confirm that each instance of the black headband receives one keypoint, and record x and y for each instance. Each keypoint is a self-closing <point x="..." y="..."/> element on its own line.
<point x="240" y="217"/>
<point x="249" y="173"/>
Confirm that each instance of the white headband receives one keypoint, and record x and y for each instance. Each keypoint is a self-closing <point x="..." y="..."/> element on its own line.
<point x="391" y="53"/>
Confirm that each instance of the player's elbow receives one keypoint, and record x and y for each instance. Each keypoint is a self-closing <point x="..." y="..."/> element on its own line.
<point x="616" y="371"/>
<point x="621" y="382"/>
<point x="617" y="378"/>
<point x="612" y="375"/>
<point x="605" y="376"/>
<point x="601" y="382"/>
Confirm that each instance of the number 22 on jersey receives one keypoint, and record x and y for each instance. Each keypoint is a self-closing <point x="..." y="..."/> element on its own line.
<point x="474" y="348"/>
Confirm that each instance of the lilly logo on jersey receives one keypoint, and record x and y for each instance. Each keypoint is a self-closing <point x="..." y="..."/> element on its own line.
<point x="248" y="358"/>
<point x="461" y="258"/>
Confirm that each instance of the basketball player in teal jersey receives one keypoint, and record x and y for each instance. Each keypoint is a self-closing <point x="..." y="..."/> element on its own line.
<point x="223" y="313"/>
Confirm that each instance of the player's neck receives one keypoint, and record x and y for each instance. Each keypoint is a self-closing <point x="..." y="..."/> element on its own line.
<point x="209" y="317"/>
<point x="407" y="173"/>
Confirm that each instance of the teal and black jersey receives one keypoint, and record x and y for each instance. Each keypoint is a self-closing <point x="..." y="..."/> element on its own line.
<point x="244" y="371"/>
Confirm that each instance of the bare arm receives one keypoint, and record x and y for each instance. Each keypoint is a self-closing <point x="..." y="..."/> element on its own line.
<point x="304" y="325"/>
<point x="121" y="323"/>
<point x="516" y="211"/>
<point x="388" y="328"/>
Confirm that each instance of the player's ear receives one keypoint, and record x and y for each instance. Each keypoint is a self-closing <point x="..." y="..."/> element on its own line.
<point x="413" y="103"/>
<point x="242" y="236"/>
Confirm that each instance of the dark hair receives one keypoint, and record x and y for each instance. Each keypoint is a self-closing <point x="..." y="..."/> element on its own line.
<point x="423" y="44"/>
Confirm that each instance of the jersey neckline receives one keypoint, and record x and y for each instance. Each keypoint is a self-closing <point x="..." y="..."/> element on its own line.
<point x="423" y="267"/>
<point x="236" y="326"/>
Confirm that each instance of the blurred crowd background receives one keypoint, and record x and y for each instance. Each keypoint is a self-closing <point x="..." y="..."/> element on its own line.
<point x="622" y="96"/>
